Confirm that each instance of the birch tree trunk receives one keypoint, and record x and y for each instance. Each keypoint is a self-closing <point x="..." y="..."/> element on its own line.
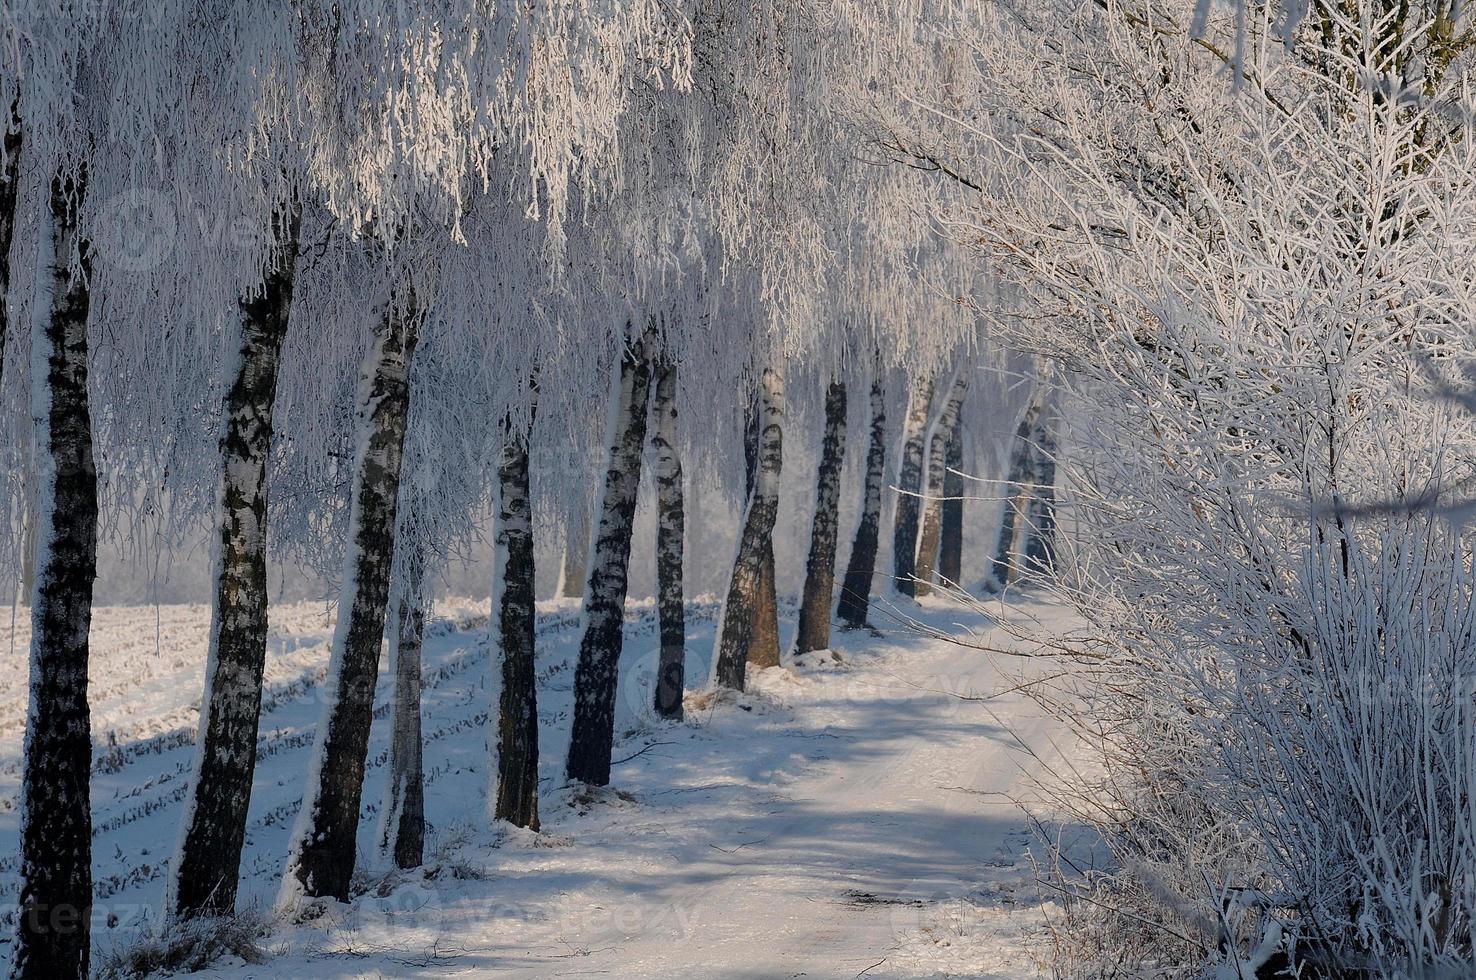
<point x="1040" y="551"/>
<point x="730" y="663"/>
<point x="855" y="598"/>
<point x="321" y="859"/>
<point x="814" y="612"/>
<point x="597" y="676"/>
<point x="1014" y="516"/>
<point x="763" y="641"/>
<point x="670" y="534"/>
<point x="53" y="933"/>
<point x="950" y="552"/>
<point x="944" y="429"/>
<point x="402" y="834"/>
<point x="207" y="862"/>
<point x="574" y="569"/>
<point x="9" y="181"/>
<point x="516" y="799"/>
<point x="909" y="486"/>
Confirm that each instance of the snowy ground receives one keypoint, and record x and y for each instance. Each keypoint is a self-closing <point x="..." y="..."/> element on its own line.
<point x="842" y="819"/>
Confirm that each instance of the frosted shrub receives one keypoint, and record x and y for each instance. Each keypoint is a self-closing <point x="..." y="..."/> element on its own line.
<point x="1305" y="792"/>
<point x="1256" y="290"/>
<point x="1356" y="742"/>
<point x="189" y="947"/>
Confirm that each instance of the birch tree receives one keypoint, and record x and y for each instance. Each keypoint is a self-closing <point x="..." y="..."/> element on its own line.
<point x="596" y="677"/>
<point x="402" y="831"/>
<point x="322" y="855"/>
<point x="814" y="617"/>
<point x="940" y="436"/>
<point x="54" y="925"/>
<point x="514" y="615"/>
<point x="204" y="872"/>
<point x="909" y="484"/>
<point x="1040" y="549"/>
<point x="1015" y="513"/>
<point x="855" y="597"/>
<point x="731" y="648"/>
<point x="950" y="551"/>
<point x="670" y="535"/>
<point x="763" y="637"/>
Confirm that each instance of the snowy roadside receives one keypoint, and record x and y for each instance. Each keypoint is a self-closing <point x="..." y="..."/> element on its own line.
<point x="841" y="819"/>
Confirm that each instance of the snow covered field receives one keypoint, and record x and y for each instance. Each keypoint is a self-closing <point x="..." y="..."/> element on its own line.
<point x="840" y="819"/>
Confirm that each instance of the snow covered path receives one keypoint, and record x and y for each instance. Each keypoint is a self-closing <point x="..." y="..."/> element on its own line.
<point x="840" y="819"/>
<point x="872" y="823"/>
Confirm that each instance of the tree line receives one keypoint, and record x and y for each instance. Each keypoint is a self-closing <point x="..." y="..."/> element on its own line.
<point x="454" y="235"/>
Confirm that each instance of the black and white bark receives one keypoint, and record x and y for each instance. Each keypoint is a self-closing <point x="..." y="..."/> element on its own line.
<point x="855" y="597"/>
<point x="814" y="613"/>
<point x="909" y="486"/>
<point x="402" y="829"/>
<point x="203" y="875"/>
<point x="597" y="676"/>
<point x="941" y="434"/>
<point x="9" y="182"/>
<point x="54" y="923"/>
<point x="321" y="859"/>
<point x="739" y="608"/>
<point x="950" y="550"/>
<point x="1040" y="548"/>
<point x="763" y="639"/>
<point x="515" y="796"/>
<point x="1013" y="517"/>
<point x="574" y="569"/>
<point x="670" y="539"/>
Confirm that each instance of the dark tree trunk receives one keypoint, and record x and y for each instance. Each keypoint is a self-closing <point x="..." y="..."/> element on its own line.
<point x="9" y="181"/>
<point x="1014" y="516"/>
<point x="943" y="431"/>
<point x="321" y="861"/>
<point x="670" y="532"/>
<point x="514" y="609"/>
<point x="575" y="568"/>
<point x="855" y="598"/>
<point x="207" y="862"/>
<point x="402" y="835"/>
<point x="909" y="486"/>
<point x="739" y="609"/>
<point x="53" y="933"/>
<point x="597" y="676"/>
<point x="950" y="552"/>
<point x="814" y="612"/>
<point x="1040" y="551"/>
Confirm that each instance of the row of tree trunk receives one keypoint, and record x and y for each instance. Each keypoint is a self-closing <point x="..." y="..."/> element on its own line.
<point x="322" y="854"/>
<point x="203" y="881"/>
<point x="1027" y="527"/>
